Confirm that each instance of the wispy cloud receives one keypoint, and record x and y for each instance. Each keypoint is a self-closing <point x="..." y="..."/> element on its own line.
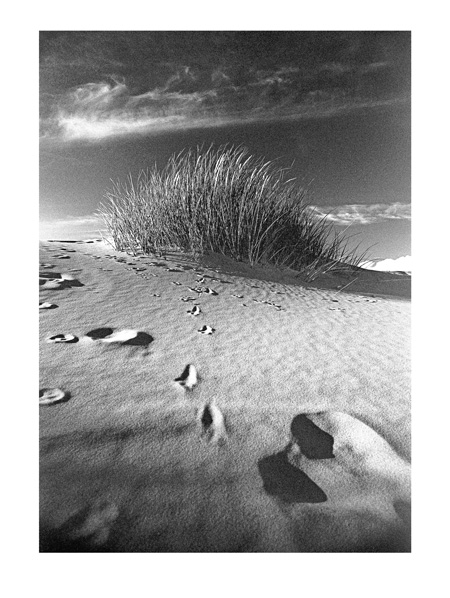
<point x="100" y="84"/>
<point x="96" y="111"/>
<point x="364" y="214"/>
<point x="219" y="77"/>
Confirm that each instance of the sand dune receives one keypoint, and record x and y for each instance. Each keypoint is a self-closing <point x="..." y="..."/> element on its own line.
<point x="286" y="429"/>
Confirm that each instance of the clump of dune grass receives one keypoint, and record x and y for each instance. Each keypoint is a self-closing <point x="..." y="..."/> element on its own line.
<point x="226" y="201"/>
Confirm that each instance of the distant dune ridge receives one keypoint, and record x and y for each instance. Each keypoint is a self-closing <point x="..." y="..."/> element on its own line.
<point x="285" y="430"/>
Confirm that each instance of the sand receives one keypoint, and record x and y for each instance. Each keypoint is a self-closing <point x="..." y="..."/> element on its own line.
<point x="134" y="460"/>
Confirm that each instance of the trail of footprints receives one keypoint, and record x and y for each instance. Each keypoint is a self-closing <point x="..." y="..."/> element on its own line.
<point x="212" y="422"/>
<point x="188" y="379"/>
<point x="56" y="280"/>
<point x="282" y="473"/>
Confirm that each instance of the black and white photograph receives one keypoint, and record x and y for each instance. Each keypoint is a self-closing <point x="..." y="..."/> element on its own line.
<point x="225" y="291"/>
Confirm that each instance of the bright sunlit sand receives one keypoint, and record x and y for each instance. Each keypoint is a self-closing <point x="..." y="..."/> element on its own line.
<point x="173" y="397"/>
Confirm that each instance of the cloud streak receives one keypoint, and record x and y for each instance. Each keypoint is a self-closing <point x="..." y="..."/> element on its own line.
<point x="346" y="215"/>
<point x="97" y="85"/>
<point x="105" y="109"/>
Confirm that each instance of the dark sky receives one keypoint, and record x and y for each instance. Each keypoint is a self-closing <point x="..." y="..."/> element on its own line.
<point x="335" y="104"/>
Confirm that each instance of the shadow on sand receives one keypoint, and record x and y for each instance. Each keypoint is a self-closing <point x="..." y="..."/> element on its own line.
<point x="283" y="480"/>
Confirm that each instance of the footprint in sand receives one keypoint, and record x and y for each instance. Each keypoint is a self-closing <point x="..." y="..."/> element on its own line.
<point x="364" y="462"/>
<point x="200" y="290"/>
<point x="87" y="530"/>
<point x="47" y="305"/>
<point x="206" y="330"/>
<point x="49" y="276"/>
<point x="334" y="456"/>
<point x="125" y="337"/>
<point x="94" y="524"/>
<point x="62" y="338"/>
<point x="282" y="473"/>
<point x="312" y="441"/>
<point x="60" y="283"/>
<point x="212" y="423"/>
<point x="195" y="311"/>
<point x="209" y="291"/>
<point x="189" y="377"/>
<point x="50" y="396"/>
<point x="56" y="280"/>
<point x="99" y="333"/>
<point x="50" y="283"/>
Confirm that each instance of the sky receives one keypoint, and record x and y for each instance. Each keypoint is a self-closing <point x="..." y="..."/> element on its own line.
<point x="332" y="106"/>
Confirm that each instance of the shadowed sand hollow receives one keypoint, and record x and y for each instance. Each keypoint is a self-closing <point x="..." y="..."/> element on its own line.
<point x="293" y="434"/>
